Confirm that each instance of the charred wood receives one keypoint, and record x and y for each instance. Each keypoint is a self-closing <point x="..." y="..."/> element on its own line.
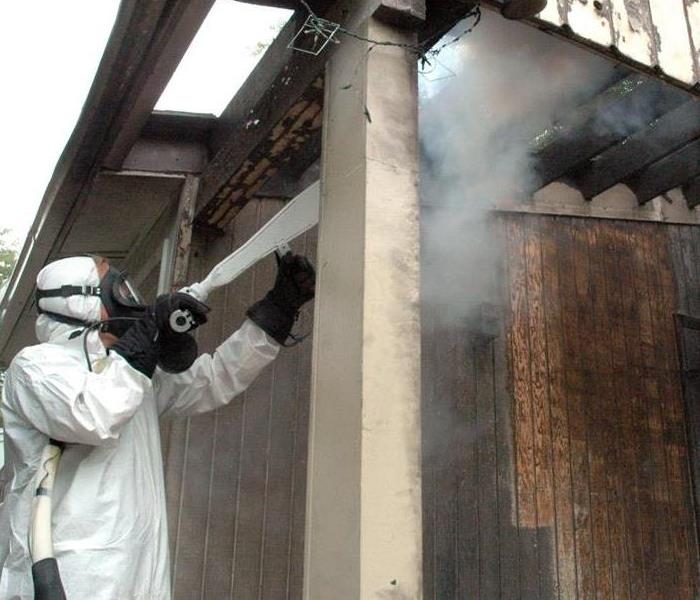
<point x="665" y="135"/>
<point x="676" y="169"/>
<point x="691" y="191"/>
<point x="601" y="123"/>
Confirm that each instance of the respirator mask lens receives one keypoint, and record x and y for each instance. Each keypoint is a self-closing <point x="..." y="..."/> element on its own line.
<point x="122" y="300"/>
<point x="125" y="293"/>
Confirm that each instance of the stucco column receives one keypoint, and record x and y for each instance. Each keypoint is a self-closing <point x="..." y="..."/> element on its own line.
<point x="363" y="531"/>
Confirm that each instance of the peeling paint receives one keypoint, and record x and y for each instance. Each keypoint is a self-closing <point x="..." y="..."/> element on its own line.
<point x="659" y="34"/>
<point x="692" y="11"/>
<point x="631" y="32"/>
<point x="675" y="52"/>
<point x="588" y="22"/>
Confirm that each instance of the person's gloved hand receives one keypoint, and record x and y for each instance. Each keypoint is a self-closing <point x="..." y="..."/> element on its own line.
<point x="294" y="286"/>
<point x="138" y="345"/>
<point x="176" y="352"/>
<point x="167" y="304"/>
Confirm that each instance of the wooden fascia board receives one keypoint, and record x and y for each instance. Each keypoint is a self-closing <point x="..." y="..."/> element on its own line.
<point x="564" y="30"/>
<point x="173" y="36"/>
<point x="97" y="128"/>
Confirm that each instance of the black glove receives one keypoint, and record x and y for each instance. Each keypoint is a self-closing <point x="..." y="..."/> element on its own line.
<point x="176" y="352"/>
<point x="138" y="345"/>
<point x="167" y="304"/>
<point x="295" y="284"/>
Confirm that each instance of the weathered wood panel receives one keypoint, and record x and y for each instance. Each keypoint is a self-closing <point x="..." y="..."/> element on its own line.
<point x="236" y="477"/>
<point x="572" y="472"/>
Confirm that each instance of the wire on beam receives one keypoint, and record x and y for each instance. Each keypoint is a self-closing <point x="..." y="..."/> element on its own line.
<point x="325" y="31"/>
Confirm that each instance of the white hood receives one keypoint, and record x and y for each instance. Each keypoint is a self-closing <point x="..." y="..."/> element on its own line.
<point x="78" y="270"/>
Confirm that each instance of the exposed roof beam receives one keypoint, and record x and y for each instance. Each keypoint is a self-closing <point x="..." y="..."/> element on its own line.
<point x="668" y="133"/>
<point x="674" y="170"/>
<point x="279" y="80"/>
<point x="586" y="133"/>
<point x="176" y="29"/>
<point x="278" y="83"/>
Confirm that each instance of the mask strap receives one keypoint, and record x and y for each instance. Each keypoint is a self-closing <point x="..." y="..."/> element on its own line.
<point x="66" y="291"/>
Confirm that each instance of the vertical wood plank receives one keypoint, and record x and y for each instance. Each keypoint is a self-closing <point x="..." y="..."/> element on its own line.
<point x="300" y="449"/>
<point x="489" y="570"/>
<point x="465" y="436"/>
<point x="590" y="303"/>
<point x="197" y="475"/>
<point x="618" y="285"/>
<point x="681" y="287"/>
<point x="546" y="519"/>
<point x="279" y="489"/>
<point x="508" y="539"/>
<point x="573" y="282"/>
<point x="607" y="407"/>
<point x="660" y="409"/>
<point x="218" y="570"/>
<point x="217" y="551"/>
<point x="566" y="550"/>
<point x="251" y="502"/>
<point x="524" y="421"/>
<point x="441" y="438"/>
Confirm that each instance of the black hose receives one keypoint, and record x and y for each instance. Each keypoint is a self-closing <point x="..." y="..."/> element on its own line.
<point x="47" y="580"/>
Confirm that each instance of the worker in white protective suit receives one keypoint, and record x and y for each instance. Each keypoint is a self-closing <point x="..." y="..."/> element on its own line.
<point x="100" y="391"/>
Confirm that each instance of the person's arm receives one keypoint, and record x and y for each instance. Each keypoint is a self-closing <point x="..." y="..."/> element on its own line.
<point x="215" y="379"/>
<point x="71" y="404"/>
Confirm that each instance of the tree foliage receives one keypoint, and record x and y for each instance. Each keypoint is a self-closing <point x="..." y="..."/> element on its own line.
<point x="8" y="255"/>
<point x="8" y="258"/>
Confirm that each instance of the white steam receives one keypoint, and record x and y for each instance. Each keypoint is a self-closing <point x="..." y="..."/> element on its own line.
<point x="510" y="83"/>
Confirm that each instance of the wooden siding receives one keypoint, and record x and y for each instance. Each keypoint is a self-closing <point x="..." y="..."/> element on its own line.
<point x="236" y="478"/>
<point x="564" y="473"/>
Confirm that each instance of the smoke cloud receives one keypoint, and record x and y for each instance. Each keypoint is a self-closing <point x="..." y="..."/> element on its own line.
<point x="510" y="84"/>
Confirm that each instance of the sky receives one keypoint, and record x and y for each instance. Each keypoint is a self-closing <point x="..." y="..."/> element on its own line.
<point x="49" y="52"/>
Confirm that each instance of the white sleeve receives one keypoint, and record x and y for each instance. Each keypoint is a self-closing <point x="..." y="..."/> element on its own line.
<point x="214" y="380"/>
<point x="71" y="404"/>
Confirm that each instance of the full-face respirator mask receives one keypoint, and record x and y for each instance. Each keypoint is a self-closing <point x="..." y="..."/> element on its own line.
<point x="124" y="306"/>
<point x="118" y="295"/>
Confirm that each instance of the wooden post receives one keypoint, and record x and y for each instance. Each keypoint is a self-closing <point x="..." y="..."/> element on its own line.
<point x="363" y="530"/>
<point x="183" y="241"/>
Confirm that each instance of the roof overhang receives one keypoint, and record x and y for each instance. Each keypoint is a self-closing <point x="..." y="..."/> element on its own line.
<point x="270" y="133"/>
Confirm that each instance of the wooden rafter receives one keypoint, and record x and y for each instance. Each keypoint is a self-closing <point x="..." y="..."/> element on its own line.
<point x="676" y="169"/>
<point x="660" y="138"/>
<point x="587" y="132"/>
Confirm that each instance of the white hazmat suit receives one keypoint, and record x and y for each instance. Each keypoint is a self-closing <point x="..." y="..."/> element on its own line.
<point x="109" y="519"/>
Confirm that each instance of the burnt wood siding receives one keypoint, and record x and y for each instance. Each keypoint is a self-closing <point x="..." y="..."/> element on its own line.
<point x="236" y="478"/>
<point x="556" y="455"/>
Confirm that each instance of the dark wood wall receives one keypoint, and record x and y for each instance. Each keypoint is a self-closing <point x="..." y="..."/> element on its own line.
<point x="562" y="470"/>
<point x="555" y="446"/>
<point x="236" y="478"/>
